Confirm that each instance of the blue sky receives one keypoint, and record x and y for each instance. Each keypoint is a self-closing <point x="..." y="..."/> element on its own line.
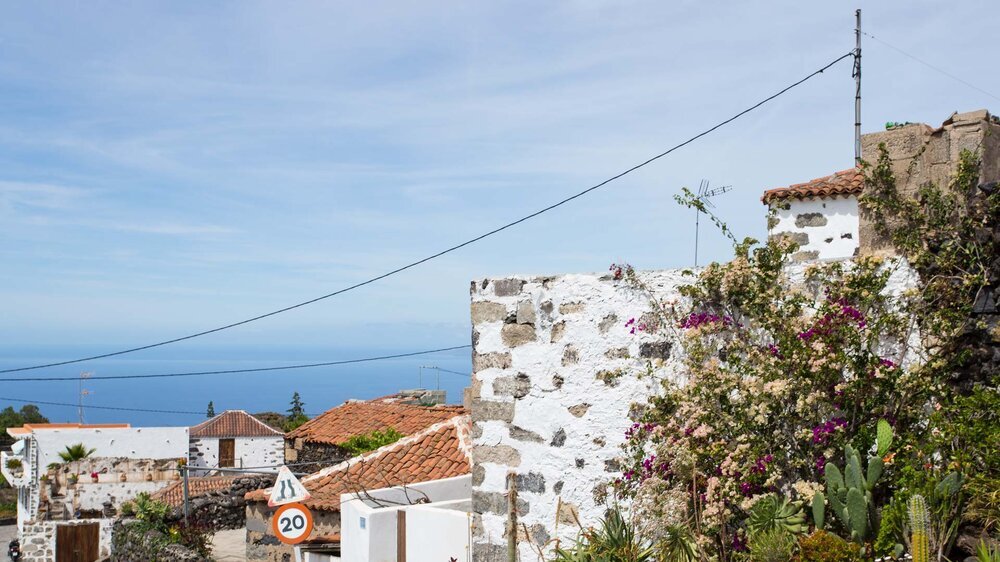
<point x="165" y="168"/>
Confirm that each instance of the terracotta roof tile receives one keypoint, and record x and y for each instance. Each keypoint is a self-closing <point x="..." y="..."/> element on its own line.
<point x="174" y="493"/>
<point x="413" y="459"/>
<point x="233" y="423"/>
<point x="844" y="182"/>
<point x="339" y="424"/>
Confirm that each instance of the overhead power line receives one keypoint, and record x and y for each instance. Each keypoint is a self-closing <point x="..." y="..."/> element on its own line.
<point x="452" y="248"/>
<point x="234" y="371"/>
<point x="931" y="66"/>
<point x="93" y="407"/>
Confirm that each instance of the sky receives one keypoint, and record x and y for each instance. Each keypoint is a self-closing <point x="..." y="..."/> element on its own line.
<point x="166" y="168"/>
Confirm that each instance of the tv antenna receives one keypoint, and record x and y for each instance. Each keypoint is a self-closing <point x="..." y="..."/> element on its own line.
<point x="705" y="195"/>
<point x="83" y="392"/>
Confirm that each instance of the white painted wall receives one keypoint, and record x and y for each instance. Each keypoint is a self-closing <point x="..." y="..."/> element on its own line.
<point x="837" y="239"/>
<point x="438" y="532"/>
<point x="133" y="442"/>
<point x="93" y="495"/>
<point x="249" y="451"/>
<point x="376" y="542"/>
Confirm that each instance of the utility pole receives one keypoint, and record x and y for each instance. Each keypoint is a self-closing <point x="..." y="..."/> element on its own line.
<point x="83" y="392"/>
<point x="857" y="87"/>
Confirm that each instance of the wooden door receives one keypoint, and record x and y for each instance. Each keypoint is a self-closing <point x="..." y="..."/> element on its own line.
<point x="227" y="453"/>
<point x="77" y="543"/>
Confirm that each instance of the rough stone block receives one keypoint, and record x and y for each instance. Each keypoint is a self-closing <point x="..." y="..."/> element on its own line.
<point x="482" y="552"/>
<point x="507" y="287"/>
<point x="557" y="332"/>
<point x="488" y="410"/>
<point x="486" y="311"/>
<point x="655" y="350"/>
<point x="800" y="238"/>
<point x="579" y="410"/>
<point x="617" y="353"/>
<point x="517" y="386"/>
<point x="522" y="434"/>
<point x="531" y="482"/>
<point x="559" y="438"/>
<point x="805" y="256"/>
<point x="571" y="307"/>
<point x="495" y="502"/>
<point x="478" y="475"/>
<point x="497" y="454"/>
<point x="557" y="487"/>
<point x="568" y="514"/>
<point x="514" y="335"/>
<point x="810" y="219"/>
<point x="607" y="323"/>
<point x="570" y="356"/>
<point x="525" y="313"/>
<point x="482" y="361"/>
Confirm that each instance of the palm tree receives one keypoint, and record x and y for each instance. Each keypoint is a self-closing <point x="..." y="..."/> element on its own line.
<point x="75" y="453"/>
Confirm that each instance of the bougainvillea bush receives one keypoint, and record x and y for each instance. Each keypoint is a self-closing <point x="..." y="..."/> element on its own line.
<point x="784" y="365"/>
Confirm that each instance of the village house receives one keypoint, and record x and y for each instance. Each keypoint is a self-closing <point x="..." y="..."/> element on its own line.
<point x="438" y="452"/>
<point x="553" y="386"/>
<point x="75" y="500"/>
<point x="319" y="441"/>
<point x="235" y="439"/>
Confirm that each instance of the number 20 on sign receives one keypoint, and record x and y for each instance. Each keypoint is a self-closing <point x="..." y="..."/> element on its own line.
<point x="292" y="523"/>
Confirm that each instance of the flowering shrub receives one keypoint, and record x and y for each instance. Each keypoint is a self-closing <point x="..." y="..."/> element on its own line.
<point x="785" y="366"/>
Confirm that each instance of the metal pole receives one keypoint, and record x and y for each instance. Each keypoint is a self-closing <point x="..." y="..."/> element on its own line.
<point x="697" y="215"/>
<point x="857" y="88"/>
<point x="511" y="518"/>
<point x="187" y="494"/>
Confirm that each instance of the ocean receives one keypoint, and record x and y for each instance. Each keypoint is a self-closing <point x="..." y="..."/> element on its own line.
<point x="321" y="388"/>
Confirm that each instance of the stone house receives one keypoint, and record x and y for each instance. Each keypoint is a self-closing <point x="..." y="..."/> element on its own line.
<point x="235" y="439"/>
<point x="319" y="440"/>
<point x="554" y="387"/>
<point x="822" y="215"/>
<point x="440" y="451"/>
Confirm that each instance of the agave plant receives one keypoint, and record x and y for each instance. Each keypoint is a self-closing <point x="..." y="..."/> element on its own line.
<point x="772" y="512"/>
<point x="614" y="541"/>
<point x="75" y="452"/>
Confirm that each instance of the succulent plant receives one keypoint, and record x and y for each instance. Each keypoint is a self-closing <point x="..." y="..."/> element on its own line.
<point x="772" y="512"/>
<point x="919" y="528"/>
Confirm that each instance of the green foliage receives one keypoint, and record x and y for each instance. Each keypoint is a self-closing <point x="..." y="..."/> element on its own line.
<point x="772" y="545"/>
<point x="298" y="407"/>
<point x="819" y="510"/>
<point x="883" y="439"/>
<point x="360" y="444"/>
<point x="677" y="545"/>
<point x="126" y="509"/>
<point x="772" y="512"/>
<point x="9" y="417"/>
<point x="851" y="493"/>
<point x="75" y="452"/>
<point x="210" y="412"/>
<point x="919" y="529"/>
<point x="293" y="422"/>
<point x="614" y="541"/>
<point x="14" y="464"/>
<point x="987" y="553"/>
<point x="821" y="546"/>
<point x="892" y="528"/>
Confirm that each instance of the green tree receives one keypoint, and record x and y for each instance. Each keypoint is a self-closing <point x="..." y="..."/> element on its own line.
<point x="75" y="452"/>
<point x="9" y="417"/>
<point x="211" y="410"/>
<point x="297" y="408"/>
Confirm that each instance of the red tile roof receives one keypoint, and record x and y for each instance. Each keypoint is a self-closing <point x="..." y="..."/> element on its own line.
<point x="440" y="451"/>
<point x="335" y="426"/>
<point x="174" y="493"/>
<point x="844" y="182"/>
<point x="233" y="423"/>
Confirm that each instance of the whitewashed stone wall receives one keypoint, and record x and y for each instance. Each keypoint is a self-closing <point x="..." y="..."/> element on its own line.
<point x="824" y="228"/>
<point x="249" y="451"/>
<point x="552" y="394"/>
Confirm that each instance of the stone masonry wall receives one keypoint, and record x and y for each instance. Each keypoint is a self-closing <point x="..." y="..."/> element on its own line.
<point x="920" y="154"/>
<point x="552" y="394"/>
<point x="38" y="540"/>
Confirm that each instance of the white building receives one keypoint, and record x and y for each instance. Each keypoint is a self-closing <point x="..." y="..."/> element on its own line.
<point x="126" y="461"/>
<point x="235" y="439"/>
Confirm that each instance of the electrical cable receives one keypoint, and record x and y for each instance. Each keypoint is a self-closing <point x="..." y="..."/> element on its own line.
<point x="450" y="249"/>
<point x="234" y="371"/>
<point x="931" y="66"/>
<point x="92" y="407"/>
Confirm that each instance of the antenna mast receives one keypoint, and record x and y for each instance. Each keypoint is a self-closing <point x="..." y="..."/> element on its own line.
<point x="704" y="193"/>
<point x="857" y="87"/>
<point x="83" y="392"/>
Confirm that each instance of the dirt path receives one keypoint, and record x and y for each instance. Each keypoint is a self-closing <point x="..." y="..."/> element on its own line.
<point x="230" y="546"/>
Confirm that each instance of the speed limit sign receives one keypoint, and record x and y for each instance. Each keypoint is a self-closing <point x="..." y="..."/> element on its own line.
<point x="292" y="523"/>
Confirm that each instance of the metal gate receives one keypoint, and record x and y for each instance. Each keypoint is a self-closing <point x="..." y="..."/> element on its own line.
<point x="77" y="543"/>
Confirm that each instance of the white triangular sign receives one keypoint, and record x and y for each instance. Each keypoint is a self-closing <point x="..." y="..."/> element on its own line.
<point x="287" y="489"/>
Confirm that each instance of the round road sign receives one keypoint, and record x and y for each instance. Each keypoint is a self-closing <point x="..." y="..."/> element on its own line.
<point x="292" y="523"/>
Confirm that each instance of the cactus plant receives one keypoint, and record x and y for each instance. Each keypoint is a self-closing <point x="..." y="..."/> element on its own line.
<point x="819" y="510"/>
<point x="919" y="528"/>
<point x="850" y="491"/>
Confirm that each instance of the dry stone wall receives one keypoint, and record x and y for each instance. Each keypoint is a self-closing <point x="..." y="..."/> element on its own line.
<point x="553" y="391"/>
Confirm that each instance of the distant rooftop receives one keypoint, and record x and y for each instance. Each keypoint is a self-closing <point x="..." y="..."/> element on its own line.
<point x="844" y="182"/>
<point x="339" y="424"/>
<point x="233" y="423"/>
<point x="31" y="427"/>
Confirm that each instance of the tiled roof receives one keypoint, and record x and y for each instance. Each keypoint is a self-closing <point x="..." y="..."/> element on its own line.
<point x="233" y="423"/>
<point x="197" y="486"/>
<point x="440" y="451"/>
<point x="29" y="427"/>
<point x="844" y="182"/>
<point x="335" y="426"/>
